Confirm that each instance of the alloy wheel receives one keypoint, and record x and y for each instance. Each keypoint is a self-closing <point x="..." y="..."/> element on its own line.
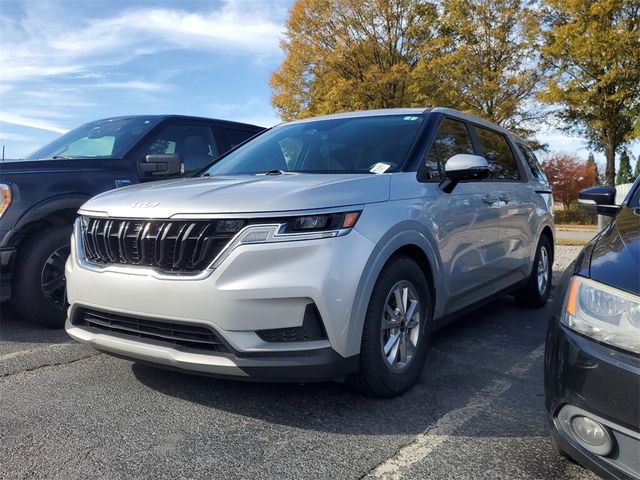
<point x="543" y="271"/>
<point x="52" y="279"/>
<point x="401" y="324"/>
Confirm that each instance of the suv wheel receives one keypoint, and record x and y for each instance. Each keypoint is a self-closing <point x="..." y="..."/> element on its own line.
<point x="39" y="285"/>
<point x="396" y="331"/>
<point x="536" y="292"/>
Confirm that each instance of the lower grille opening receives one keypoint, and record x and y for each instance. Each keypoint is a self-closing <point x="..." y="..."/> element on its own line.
<point x="312" y="329"/>
<point x="188" y="335"/>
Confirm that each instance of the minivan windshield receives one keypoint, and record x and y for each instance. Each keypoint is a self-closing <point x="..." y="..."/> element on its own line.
<point x="109" y="138"/>
<point x="368" y="144"/>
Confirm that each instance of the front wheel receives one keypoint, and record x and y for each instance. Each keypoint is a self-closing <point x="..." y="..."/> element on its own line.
<point x="396" y="331"/>
<point x="39" y="284"/>
<point x="536" y="292"/>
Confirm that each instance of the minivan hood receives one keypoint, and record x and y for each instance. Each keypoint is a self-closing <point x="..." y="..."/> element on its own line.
<point x="241" y="194"/>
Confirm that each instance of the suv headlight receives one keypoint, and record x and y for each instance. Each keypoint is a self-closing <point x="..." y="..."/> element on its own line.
<point x="603" y="313"/>
<point x="307" y="227"/>
<point x="5" y="198"/>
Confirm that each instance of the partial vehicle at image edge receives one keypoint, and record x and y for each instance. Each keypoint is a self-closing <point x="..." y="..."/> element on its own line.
<point x="323" y="249"/>
<point x="592" y="355"/>
<point x="42" y="193"/>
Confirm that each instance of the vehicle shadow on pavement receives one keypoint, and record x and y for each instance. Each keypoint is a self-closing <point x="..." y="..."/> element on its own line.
<point x="467" y="360"/>
<point x="15" y="329"/>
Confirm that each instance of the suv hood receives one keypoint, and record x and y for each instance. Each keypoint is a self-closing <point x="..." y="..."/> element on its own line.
<point x="616" y="254"/>
<point x="31" y="167"/>
<point x="240" y="194"/>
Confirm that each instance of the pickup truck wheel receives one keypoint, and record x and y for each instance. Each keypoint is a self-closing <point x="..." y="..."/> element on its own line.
<point x="536" y="292"/>
<point x="396" y="331"/>
<point x="39" y="285"/>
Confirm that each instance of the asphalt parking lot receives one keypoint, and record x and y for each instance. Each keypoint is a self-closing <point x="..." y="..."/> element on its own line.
<point x="68" y="412"/>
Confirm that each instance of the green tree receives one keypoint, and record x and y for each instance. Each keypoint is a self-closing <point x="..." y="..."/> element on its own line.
<point x="483" y="60"/>
<point x="624" y="172"/>
<point x="636" y="171"/>
<point x="591" y="163"/>
<point x="593" y="49"/>
<point x="348" y="54"/>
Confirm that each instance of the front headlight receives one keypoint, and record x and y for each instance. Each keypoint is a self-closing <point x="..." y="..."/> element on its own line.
<point x="603" y="313"/>
<point x="5" y="198"/>
<point x="308" y="227"/>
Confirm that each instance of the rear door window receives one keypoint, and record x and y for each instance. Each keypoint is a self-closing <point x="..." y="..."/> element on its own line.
<point x="194" y="143"/>
<point x="532" y="163"/>
<point x="452" y="138"/>
<point x="235" y="136"/>
<point x="496" y="149"/>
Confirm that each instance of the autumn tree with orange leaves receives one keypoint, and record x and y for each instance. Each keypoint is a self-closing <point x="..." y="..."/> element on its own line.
<point x="568" y="175"/>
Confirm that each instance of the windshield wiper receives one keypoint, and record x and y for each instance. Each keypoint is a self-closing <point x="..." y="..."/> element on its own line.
<point x="60" y="157"/>
<point x="276" y="172"/>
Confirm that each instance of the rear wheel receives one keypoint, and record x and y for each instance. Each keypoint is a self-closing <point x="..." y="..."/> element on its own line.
<point x="39" y="283"/>
<point x="536" y="292"/>
<point x="396" y="331"/>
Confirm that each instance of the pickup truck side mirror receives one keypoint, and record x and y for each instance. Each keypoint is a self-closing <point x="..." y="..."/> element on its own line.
<point x="600" y="200"/>
<point x="161" y="165"/>
<point x="463" y="168"/>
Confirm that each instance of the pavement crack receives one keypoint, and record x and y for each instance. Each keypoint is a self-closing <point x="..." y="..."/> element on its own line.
<point x="53" y="364"/>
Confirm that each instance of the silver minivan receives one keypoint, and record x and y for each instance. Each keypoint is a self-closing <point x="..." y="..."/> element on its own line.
<point x="322" y="249"/>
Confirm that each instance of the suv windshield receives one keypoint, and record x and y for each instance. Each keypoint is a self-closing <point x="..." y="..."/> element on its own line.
<point x="373" y="144"/>
<point x="100" y="139"/>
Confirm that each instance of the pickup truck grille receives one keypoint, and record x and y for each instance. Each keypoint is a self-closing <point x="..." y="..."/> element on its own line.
<point x="172" y="246"/>
<point x="193" y="336"/>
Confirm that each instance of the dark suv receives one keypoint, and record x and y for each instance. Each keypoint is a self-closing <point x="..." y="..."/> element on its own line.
<point x="41" y="194"/>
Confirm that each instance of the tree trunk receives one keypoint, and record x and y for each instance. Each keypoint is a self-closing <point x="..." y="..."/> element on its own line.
<point x="610" y="171"/>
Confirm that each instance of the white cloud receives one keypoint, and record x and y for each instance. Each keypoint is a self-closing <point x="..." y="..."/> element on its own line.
<point x="34" y="48"/>
<point x="15" y="137"/>
<point x="132" y="85"/>
<point x="14" y="119"/>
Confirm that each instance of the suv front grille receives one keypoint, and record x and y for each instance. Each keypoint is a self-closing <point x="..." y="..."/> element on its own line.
<point x="173" y="246"/>
<point x="192" y="336"/>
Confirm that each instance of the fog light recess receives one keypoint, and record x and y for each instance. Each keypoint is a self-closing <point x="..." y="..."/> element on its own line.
<point x="590" y="433"/>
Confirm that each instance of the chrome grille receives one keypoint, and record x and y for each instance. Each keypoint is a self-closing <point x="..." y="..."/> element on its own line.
<point x="172" y="246"/>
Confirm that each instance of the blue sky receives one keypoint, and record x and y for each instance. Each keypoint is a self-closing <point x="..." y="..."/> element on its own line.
<point x="67" y="62"/>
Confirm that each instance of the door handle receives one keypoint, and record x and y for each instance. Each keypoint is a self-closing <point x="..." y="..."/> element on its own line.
<point x="503" y="197"/>
<point x="489" y="199"/>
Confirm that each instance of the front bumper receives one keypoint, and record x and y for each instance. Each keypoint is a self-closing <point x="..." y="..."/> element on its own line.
<point x="314" y="365"/>
<point x="604" y="384"/>
<point x="257" y="287"/>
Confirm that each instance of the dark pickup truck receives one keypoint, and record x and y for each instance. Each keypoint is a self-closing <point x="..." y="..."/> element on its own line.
<point x="39" y="196"/>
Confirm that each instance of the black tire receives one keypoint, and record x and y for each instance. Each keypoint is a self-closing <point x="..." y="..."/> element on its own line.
<point x="376" y="377"/>
<point x="37" y="267"/>
<point x="531" y="296"/>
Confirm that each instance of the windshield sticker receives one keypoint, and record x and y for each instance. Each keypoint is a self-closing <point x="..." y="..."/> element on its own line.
<point x="410" y="118"/>
<point x="380" y="168"/>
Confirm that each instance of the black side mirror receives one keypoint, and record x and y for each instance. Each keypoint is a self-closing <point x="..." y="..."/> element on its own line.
<point x="463" y="168"/>
<point x="162" y="165"/>
<point x="600" y="200"/>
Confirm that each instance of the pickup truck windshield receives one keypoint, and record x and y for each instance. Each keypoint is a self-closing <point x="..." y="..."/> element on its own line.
<point x="371" y="144"/>
<point x="109" y="138"/>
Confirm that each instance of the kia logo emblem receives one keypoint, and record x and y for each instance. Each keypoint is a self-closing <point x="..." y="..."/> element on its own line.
<point x="145" y="204"/>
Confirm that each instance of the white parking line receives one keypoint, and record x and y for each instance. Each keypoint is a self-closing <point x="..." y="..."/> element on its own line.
<point x="445" y="426"/>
